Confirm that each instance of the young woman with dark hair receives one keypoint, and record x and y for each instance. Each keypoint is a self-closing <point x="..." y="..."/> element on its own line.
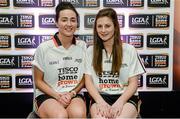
<point x="58" y="69"/>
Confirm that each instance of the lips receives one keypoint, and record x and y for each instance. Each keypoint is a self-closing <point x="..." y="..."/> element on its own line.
<point x="68" y="29"/>
<point x="104" y="35"/>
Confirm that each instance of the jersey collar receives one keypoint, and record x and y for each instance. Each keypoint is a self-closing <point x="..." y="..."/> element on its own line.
<point x="57" y="42"/>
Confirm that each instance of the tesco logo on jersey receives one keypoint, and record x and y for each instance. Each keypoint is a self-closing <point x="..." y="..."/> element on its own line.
<point x="68" y="75"/>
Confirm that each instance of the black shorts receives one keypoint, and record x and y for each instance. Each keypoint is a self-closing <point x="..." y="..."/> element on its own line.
<point x="41" y="98"/>
<point x="111" y="99"/>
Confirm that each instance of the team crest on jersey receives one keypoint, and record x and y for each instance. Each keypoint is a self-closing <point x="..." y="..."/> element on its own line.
<point x="54" y="62"/>
<point x="67" y="58"/>
<point x="78" y="60"/>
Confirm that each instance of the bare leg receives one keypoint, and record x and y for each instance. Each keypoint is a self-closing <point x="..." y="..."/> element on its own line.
<point x="128" y="111"/>
<point x="93" y="111"/>
<point x="52" y="109"/>
<point x="77" y="108"/>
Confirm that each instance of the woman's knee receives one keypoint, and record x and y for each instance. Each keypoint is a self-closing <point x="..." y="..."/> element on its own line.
<point x="77" y="109"/>
<point x="129" y="111"/>
<point x="54" y="114"/>
<point x="78" y="113"/>
<point x="52" y="109"/>
<point x="61" y="114"/>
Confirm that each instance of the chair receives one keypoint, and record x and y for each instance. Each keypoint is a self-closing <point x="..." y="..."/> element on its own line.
<point x="32" y="115"/>
<point x="139" y="106"/>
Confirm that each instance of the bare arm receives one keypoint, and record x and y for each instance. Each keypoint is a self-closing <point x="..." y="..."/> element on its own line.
<point x="130" y="90"/>
<point x="102" y="106"/>
<point x="66" y="97"/>
<point x="42" y="85"/>
<point x="92" y="90"/>
<point x="80" y="85"/>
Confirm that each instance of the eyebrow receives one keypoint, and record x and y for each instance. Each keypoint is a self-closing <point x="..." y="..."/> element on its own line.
<point x="104" y="24"/>
<point x="68" y="17"/>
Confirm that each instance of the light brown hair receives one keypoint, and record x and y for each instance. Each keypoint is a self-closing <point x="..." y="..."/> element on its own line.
<point x="98" y="43"/>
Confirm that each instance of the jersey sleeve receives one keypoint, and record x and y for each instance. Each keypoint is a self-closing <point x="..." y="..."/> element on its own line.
<point x="89" y="60"/>
<point x="39" y="59"/>
<point x="136" y="66"/>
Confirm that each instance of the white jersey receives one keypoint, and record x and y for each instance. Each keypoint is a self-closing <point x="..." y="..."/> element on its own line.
<point x="63" y="68"/>
<point x="108" y="83"/>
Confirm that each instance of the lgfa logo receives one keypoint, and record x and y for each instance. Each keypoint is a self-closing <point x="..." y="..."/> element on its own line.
<point x="47" y="21"/>
<point x="91" y="20"/>
<point x="26" y="41"/>
<point x="159" y="2"/>
<point x="140" y="20"/>
<point x="157" y="80"/>
<point x="6" y="20"/>
<point x="158" y="40"/>
<point x="24" y="81"/>
<point x="7" y="61"/>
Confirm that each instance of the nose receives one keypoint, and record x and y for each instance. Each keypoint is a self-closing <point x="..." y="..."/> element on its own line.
<point x="103" y="29"/>
<point x="69" y="23"/>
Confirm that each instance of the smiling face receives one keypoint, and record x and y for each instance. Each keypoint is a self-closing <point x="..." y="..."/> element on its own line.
<point x="105" y="29"/>
<point x="67" y="22"/>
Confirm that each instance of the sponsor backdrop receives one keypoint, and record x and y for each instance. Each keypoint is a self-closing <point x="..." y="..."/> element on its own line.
<point x="146" y="24"/>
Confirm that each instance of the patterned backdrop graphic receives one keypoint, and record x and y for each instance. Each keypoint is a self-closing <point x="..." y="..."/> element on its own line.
<point x="146" y="24"/>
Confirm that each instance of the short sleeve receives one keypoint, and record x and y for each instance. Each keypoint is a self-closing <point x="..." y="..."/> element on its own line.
<point x="136" y="66"/>
<point x="89" y="60"/>
<point x="39" y="59"/>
